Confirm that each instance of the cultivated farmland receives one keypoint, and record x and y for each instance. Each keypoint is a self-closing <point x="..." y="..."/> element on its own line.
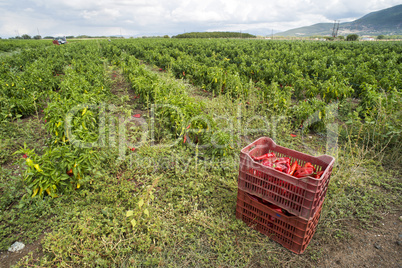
<point x="126" y="153"/>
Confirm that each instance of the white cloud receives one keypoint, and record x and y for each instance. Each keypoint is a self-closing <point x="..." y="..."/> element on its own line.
<point x="138" y="17"/>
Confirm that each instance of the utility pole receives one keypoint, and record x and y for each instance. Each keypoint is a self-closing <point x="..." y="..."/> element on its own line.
<point x="335" y="29"/>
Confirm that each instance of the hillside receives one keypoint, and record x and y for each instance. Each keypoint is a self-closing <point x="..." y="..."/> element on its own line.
<point x="386" y="21"/>
<point x="316" y="29"/>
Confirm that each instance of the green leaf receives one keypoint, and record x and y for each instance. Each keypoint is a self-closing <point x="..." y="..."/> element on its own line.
<point x="129" y="213"/>
<point x="141" y="203"/>
<point x="146" y="212"/>
<point x="133" y="223"/>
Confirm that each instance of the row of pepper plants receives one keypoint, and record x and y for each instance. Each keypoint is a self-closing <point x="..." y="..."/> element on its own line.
<point x="178" y="116"/>
<point x="294" y="79"/>
<point x="73" y="85"/>
<point x="10" y="46"/>
<point x="25" y="79"/>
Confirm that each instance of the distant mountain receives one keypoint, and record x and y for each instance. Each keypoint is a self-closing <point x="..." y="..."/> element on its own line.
<point x="385" y="21"/>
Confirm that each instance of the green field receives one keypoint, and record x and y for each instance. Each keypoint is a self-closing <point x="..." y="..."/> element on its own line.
<point x="126" y="153"/>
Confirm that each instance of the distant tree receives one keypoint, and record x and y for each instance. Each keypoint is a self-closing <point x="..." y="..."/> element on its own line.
<point x="70" y="37"/>
<point x="37" y="37"/>
<point x="48" y="37"/>
<point x="341" y="37"/>
<point x="25" y="36"/>
<point x="381" y="37"/>
<point x="166" y="36"/>
<point x="352" y="37"/>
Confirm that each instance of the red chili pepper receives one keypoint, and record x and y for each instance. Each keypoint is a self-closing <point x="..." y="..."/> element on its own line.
<point x="283" y="164"/>
<point x="24" y="156"/>
<point x="303" y="172"/>
<point x="293" y="168"/>
<point x="137" y="115"/>
<point x="268" y="162"/>
<point x="318" y="175"/>
<point x="264" y="156"/>
<point x="274" y="207"/>
<point x="279" y="167"/>
<point x="283" y="160"/>
<point x="308" y="164"/>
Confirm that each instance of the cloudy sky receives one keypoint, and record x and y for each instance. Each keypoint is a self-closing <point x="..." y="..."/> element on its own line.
<point x="158" y="17"/>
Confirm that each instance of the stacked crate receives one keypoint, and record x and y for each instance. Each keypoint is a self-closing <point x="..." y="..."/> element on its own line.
<point x="283" y="207"/>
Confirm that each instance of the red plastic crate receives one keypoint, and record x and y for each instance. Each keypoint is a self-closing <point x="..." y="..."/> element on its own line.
<point x="291" y="232"/>
<point x="301" y="197"/>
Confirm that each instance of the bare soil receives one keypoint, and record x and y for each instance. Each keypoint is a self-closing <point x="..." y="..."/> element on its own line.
<point x="8" y="259"/>
<point x="380" y="246"/>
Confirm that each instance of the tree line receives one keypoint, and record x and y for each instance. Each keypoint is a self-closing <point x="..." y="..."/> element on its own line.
<point x="214" y="35"/>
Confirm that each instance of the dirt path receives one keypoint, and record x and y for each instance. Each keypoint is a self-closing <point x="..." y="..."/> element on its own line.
<point x="8" y="259"/>
<point x="380" y="246"/>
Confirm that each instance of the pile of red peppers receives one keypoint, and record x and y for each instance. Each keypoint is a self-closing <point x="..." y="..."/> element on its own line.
<point x="283" y="164"/>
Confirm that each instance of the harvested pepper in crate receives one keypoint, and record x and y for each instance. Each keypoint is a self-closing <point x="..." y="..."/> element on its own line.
<point x="282" y="164"/>
<point x="294" y="167"/>
<point x="265" y="156"/>
<point x="308" y="164"/>
<point x="270" y="160"/>
<point x="318" y="175"/>
<point x="303" y="172"/>
<point x="302" y="197"/>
